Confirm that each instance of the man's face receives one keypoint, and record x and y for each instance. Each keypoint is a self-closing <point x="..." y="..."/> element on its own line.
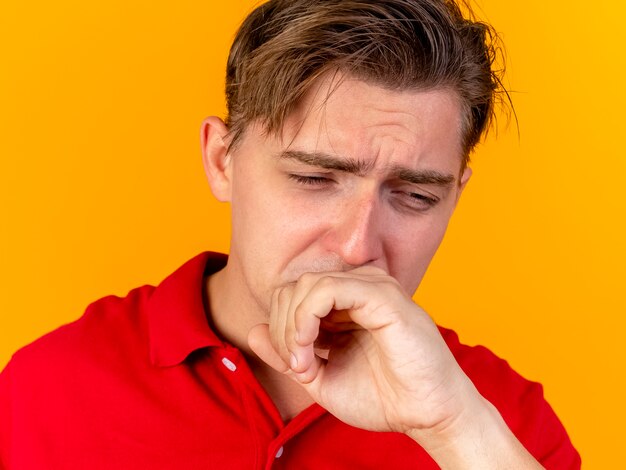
<point x="366" y="176"/>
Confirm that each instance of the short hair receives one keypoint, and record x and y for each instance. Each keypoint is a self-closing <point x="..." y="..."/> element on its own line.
<point x="284" y="46"/>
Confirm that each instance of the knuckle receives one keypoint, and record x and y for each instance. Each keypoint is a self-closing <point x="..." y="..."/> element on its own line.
<point x="298" y="314"/>
<point x="392" y="285"/>
<point x="307" y="278"/>
<point x="326" y="282"/>
<point x="283" y="294"/>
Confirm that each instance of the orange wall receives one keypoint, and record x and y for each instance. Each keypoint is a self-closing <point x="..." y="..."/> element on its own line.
<point x="102" y="188"/>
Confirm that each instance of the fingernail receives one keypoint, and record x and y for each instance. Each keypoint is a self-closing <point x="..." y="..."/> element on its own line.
<point x="293" y="361"/>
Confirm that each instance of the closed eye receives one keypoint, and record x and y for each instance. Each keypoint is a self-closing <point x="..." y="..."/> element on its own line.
<point x="310" y="179"/>
<point x="415" y="201"/>
<point x="422" y="198"/>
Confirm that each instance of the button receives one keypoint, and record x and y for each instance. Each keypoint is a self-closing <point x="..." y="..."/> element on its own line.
<point x="280" y="452"/>
<point x="229" y="364"/>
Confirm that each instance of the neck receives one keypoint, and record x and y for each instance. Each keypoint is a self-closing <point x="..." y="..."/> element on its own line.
<point x="233" y="314"/>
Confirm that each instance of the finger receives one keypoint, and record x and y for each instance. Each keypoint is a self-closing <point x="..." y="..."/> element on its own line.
<point x="313" y="371"/>
<point x="260" y="343"/>
<point x="338" y="321"/>
<point x="369" y="270"/>
<point x="301" y="357"/>
<point x="277" y="321"/>
<point x="367" y="307"/>
<point x="319" y="303"/>
<point x="301" y="334"/>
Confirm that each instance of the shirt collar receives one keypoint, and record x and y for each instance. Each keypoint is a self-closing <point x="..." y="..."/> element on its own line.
<point x="178" y="322"/>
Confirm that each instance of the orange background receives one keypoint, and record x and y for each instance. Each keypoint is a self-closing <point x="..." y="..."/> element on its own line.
<point x="102" y="188"/>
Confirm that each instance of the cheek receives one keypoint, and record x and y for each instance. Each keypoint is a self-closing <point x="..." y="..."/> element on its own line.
<point x="272" y="223"/>
<point x="412" y="250"/>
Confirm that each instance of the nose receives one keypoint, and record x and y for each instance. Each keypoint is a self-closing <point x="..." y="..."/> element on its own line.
<point x="356" y="234"/>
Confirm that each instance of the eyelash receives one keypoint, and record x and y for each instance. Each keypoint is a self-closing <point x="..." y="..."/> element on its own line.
<point x="429" y="201"/>
<point x="310" y="180"/>
<point x="410" y="200"/>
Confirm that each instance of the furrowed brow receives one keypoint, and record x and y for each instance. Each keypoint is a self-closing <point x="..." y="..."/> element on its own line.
<point x="424" y="176"/>
<point x="330" y="162"/>
<point x="327" y="162"/>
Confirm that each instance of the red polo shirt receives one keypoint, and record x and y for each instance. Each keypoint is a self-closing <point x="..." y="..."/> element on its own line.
<point x="142" y="382"/>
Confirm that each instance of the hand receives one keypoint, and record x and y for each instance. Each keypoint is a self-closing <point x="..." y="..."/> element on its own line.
<point x="369" y="355"/>
<point x="364" y="351"/>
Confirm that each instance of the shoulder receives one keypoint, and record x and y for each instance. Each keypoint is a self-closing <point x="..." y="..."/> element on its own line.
<point x="119" y="333"/>
<point x="493" y="376"/>
<point x="110" y="329"/>
<point x="71" y="371"/>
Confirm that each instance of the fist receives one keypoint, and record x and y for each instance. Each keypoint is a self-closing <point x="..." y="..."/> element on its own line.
<point x="363" y="350"/>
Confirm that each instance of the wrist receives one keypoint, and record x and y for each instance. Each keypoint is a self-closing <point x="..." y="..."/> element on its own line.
<point x="477" y="438"/>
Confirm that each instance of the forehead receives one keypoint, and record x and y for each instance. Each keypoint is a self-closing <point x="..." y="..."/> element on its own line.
<point x="365" y="122"/>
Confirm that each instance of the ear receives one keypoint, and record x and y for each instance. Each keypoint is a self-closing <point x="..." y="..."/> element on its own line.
<point x="214" y="138"/>
<point x="465" y="177"/>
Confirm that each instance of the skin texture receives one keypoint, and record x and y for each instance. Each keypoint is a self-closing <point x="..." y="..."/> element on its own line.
<point x="334" y="224"/>
<point x="353" y="220"/>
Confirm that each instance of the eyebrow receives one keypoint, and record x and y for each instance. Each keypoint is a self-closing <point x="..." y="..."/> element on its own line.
<point x="360" y="168"/>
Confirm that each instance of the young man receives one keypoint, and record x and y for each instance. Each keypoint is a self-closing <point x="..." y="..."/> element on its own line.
<point x="343" y="157"/>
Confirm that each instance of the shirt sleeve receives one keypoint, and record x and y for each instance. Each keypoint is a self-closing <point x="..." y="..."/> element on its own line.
<point x="545" y="435"/>
<point x="5" y="417"/>
<point x="521" y="403"/>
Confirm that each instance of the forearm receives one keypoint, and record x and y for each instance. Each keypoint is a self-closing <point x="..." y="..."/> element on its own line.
<point x="480" y="439"/>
